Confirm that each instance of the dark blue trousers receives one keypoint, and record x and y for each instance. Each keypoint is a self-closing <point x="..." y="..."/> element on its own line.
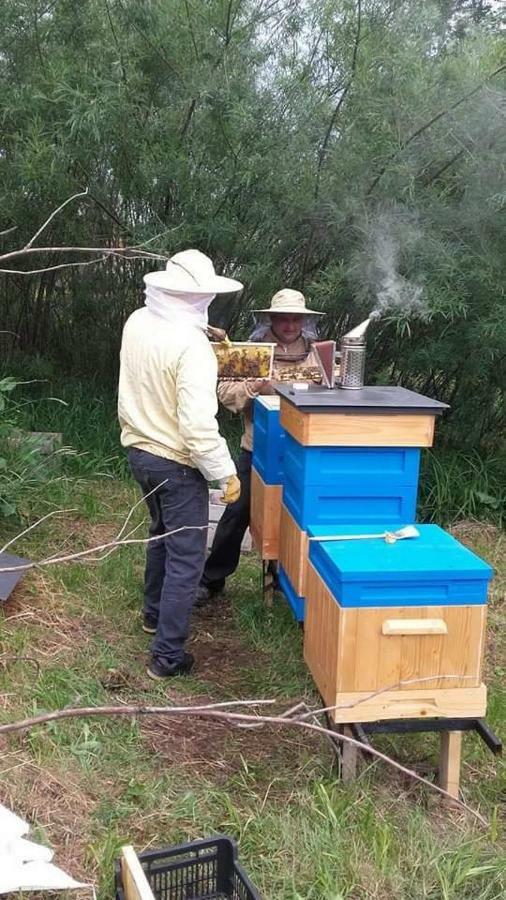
<point x="226" y="550"/>
<point x="174" y="564"/>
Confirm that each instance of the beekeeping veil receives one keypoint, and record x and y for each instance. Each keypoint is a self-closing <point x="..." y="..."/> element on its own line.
<point x="183" y="291"/>
<point x="286" y="301"/>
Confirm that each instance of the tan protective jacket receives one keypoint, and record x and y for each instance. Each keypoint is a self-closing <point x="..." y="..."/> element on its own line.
<point x="238" y="396"/>
<point x="167" y="394"/>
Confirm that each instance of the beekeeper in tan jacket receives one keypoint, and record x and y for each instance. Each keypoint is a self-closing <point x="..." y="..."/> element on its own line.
<point x="167" y="411"/>
<point x="292" y="327"/>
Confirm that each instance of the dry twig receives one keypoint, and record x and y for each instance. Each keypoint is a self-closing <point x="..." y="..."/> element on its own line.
<point x="216" y="712"/>
<point x="81" y="554"/>
<point x="100" y="253"/>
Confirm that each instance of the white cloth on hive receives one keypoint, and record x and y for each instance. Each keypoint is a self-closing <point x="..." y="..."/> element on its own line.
<point x="25" y="866"/>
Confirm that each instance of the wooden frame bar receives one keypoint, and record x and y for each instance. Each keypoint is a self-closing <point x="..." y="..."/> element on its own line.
<point x="135" y="884"/>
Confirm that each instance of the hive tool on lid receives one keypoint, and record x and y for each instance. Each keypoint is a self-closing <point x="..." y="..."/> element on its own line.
<point x="390" y="537"/>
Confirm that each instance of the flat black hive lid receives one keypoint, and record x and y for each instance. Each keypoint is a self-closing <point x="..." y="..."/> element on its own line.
<point x="376" y="399"/>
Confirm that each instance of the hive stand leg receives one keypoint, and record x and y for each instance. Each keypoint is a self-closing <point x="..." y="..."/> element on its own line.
<point x="268" y="583"/>
<point x="449" y="761"/>
<point x="349" y="757"/>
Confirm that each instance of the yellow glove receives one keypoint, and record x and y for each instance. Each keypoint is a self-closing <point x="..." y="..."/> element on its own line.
<point x="231" y="489"/>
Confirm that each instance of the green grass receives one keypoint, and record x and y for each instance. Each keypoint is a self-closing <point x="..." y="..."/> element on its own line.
<point x="88" y="786"/>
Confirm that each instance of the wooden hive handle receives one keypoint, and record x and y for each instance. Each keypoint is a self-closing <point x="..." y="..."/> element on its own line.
<point x="396" y="627"/>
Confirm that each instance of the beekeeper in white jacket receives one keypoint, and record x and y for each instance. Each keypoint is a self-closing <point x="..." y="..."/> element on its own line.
<point x="167" y="411"/>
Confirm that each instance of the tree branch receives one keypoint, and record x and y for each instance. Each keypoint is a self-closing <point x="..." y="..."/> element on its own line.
<point x="50" y="515"/>
<point x="333" y="118"/>
<point x="432" y="121"/>
<point x="81" y="554"/>
<point x="53" y="214"/>
<point x="190" y="27"/>
<point x="70" y="265"/>
<point x="216" y="712"/>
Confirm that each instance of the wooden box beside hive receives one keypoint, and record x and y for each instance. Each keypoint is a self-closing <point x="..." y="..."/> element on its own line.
<point x="396" y="630"/>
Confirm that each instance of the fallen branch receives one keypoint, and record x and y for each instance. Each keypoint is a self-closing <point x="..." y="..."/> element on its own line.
<point x="216" y="712"/>
<point x="50" y="515"/>
<point x="81" y="554"/>
<point x="8" y="657"/>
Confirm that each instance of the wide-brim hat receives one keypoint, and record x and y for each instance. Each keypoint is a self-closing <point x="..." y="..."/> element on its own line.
<point x="191" y="272"/>
<point x="289" y="301"/>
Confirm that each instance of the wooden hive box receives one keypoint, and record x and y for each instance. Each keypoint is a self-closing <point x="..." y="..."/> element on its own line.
<point x="390" y="643"/>
<point x="293" y="551"/>
<point x="265" y="516"/>
<point x="372" y="417"/>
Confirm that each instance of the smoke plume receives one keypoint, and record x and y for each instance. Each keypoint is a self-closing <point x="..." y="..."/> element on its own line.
<point x="384" y="265"/>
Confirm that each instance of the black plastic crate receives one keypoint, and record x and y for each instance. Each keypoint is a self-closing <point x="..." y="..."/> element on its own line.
<point x="202" y="870"/>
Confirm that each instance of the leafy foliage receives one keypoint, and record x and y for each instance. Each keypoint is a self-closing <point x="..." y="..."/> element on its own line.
<point x="339" y="147"/>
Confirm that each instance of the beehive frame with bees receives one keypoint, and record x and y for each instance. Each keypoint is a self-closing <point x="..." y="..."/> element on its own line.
<point x="240" y="360"/>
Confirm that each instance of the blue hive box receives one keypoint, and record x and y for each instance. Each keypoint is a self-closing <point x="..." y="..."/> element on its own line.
<point x="268" y="440"/>
<point x="295" y="602"/>
<point x="431" y="570"/>
<point x="341" y="465"/>
<point x="353" y="502"/>
<point x="341" y="485"/>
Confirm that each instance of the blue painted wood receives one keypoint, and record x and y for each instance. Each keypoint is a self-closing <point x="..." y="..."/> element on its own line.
<point x="295" y="602"/>
<point x="350" y="484"/>
<point x="341" y="465"/>
<point x="431" y="570"/>
<point x="268" y="440"/>
<point x="355" y="501"/>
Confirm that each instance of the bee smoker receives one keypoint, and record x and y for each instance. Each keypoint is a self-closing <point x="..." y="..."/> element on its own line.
<point x="352" y="349"/>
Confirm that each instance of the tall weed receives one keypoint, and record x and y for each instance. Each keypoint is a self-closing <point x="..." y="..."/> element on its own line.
<point x="456" y="486"/>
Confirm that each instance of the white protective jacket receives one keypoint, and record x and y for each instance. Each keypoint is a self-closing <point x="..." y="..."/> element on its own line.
<point x="167" y="400"/>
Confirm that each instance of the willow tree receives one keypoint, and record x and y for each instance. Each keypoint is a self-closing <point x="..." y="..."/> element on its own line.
<point x="352" y="148"/>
